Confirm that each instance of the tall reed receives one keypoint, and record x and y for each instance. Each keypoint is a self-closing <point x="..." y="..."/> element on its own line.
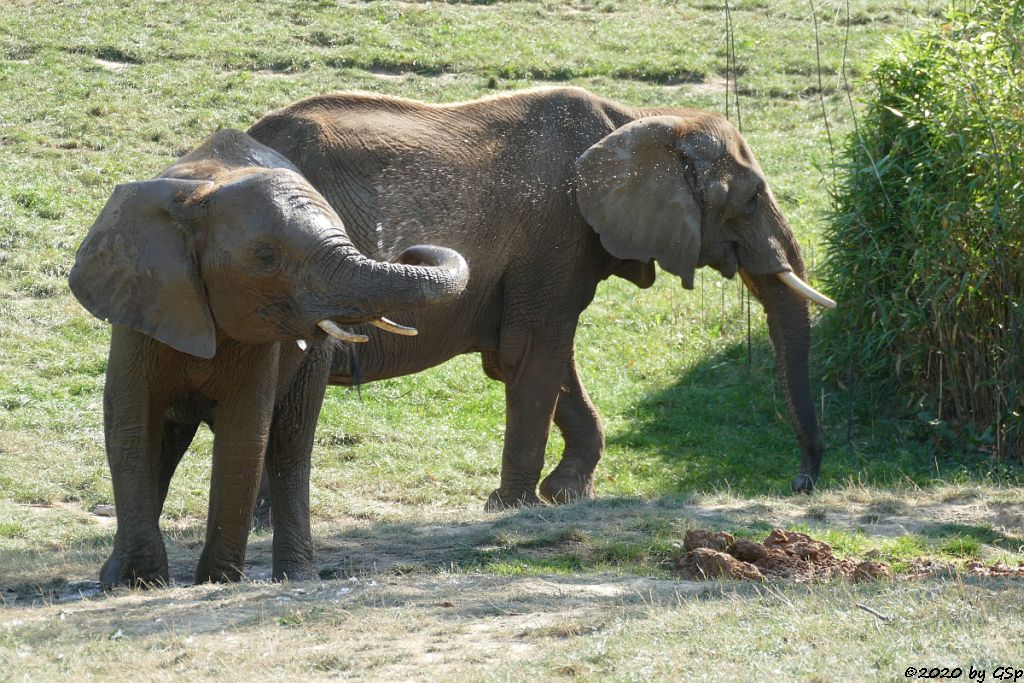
<point x="924" y="249"/>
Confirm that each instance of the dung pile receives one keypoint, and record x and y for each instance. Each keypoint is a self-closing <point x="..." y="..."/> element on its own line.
<point x="786" y="555"/>
<point x="995" y="570"/>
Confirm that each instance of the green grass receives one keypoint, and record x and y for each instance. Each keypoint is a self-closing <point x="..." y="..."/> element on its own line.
<point x="101" y="92"/>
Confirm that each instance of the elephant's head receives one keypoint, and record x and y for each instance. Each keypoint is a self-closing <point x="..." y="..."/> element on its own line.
<point x="231" y="238"/>
<point x="687" y="192"/>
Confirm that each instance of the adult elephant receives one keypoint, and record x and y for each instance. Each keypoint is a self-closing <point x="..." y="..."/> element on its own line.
<point x="547" y="192"/>
<point x="211" y="274"/>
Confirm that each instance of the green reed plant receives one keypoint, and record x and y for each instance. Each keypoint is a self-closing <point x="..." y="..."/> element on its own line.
<point x="925" y="246"/>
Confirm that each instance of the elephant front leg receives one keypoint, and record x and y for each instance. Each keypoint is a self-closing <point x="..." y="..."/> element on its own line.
<point x="533" y="374"/>
<point x="132" y="428"/>
<point x="583" y="433"/>
<point x="243" y="425"/>
<point x="288" y="465"/>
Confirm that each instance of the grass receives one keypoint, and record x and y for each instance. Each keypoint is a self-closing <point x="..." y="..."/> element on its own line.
<point x="494" y="627"/>
<point x="96" y="94"/>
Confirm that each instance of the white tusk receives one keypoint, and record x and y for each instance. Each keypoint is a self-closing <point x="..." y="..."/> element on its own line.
<point x="302" y="344"/>
<point x="394" y="328"/>
<point x="805" y="290"/>
<point x="332" y="328"/>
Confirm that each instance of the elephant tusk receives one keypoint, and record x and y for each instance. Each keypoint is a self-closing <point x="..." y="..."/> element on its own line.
<point x="302" y="344"/>
<point x="805" y="290"/>
<point x="333" y="329"/>
<point x="394" y="328"/>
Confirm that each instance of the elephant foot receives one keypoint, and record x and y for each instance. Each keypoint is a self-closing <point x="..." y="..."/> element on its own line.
<point x="147" y="571"/>
<point x="218" y="571"/>
<point x="505" y="500"/>
<point x="565" y="485"/>
<point x="294" y="572"/>
<point x="804" y="483"/>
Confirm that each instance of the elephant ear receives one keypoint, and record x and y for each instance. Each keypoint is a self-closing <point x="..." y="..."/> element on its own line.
<point x="632" y="189"/>
<point x="137" y="267"/>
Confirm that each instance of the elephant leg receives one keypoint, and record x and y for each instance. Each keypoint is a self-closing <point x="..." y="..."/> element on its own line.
<point x="532" y="366"/>
<point x="176" y="439"/>
<point x="132" y="429"/>
<point x="288" y="466"/>
<point x="583" y="433"/>
<point x="243" y="425"/>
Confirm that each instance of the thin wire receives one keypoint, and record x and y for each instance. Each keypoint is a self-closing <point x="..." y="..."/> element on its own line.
<point x="731" y="68"/>
<point x="728" y="55"/>
<point x="821" y="91"/>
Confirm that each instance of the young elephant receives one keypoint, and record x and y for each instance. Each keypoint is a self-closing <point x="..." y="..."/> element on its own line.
<point x="210" y="275"/>
<point x="546" y="193"/>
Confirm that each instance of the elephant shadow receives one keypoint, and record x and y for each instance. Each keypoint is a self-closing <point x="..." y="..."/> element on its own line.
<point x="580" y="535"/>
<point x="617" y="539"/>
<point x="721" y="425"/>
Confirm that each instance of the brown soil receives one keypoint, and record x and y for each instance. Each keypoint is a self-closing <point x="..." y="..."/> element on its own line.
<point x="786" y="555"/>
<point x="997" y="569"/>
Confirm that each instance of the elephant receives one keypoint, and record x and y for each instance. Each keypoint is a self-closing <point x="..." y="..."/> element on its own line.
<point x="227" y="280"/>
<point x="547" y="192"/>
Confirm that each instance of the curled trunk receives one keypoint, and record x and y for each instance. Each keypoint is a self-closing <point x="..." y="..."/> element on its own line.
<point x="423" y="275"/>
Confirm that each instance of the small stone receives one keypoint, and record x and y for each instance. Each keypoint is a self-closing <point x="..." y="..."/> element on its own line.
<point x="103" y="510"/>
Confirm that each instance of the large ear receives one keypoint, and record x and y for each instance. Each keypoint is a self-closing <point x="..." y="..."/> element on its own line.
<point x="633" y="190"/>
<point x="138" y="267"/>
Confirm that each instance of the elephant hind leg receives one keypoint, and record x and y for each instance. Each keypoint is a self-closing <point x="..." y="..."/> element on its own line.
<point x="531" y="363"/>
<point x="583" y="433"/>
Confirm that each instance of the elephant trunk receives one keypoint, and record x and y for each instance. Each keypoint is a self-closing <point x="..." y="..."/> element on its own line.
<point x="423" y="275"/>
<point x="789" y="326"/>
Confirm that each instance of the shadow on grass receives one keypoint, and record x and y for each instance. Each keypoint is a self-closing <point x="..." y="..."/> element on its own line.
<point x="622" y="536"/>
<point x="724" y="424"/>
<point x="614" y="538"/>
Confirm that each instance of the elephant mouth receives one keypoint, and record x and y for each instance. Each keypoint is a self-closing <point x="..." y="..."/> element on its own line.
<point x="722" y="256"/>
<point x="329" y="320"/>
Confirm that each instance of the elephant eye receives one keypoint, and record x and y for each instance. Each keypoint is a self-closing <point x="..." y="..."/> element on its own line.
<point x="266" y="257"/>
<point x="752" y="202"/>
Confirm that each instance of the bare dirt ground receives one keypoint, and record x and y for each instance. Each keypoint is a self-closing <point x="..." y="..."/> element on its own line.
<point x="402" y="597"/>
<point x="414" y="542"/>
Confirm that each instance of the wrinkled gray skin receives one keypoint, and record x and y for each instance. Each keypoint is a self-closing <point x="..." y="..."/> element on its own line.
<point x="546" y="193"/>
<point x="209" y="274"/>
